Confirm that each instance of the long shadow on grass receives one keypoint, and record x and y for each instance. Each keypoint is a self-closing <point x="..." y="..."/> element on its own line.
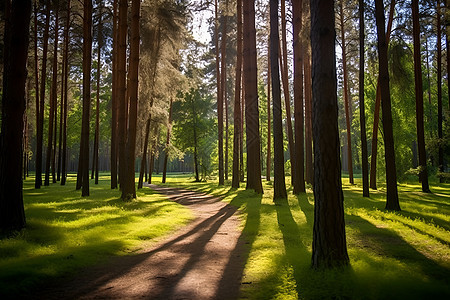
<point x="241" y="252"/>
<point x="387" y="243"/>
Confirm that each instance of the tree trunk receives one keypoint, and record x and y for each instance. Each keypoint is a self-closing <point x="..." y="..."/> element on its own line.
<point x="269" y="126"/>
<point x="279" y="189"/>
<point x="114" y="99"/>
<point x="219" y="96"/>
<point x="66" y="87"/>
<point x="166" y="152"/>
<point x="329" y="247"/>
<point x="308" y="119"/>
<point x="87" y="58"/>
<point x="144" y="153"/>
<point x="299" y="185"/>
<point x="12" y="215"/>
<point x="241" y="136"/>
<point x="439" y="89"/>
<point x="251" y="100"/>
<point x="223" y="74"/>
<point x="362" y="113"/>
<point x="40" y="129"/>
<point x="38" y="178"/>
<point x="129" y="188"/>
<point x="345" y="93"/>
<point x="423" y="175"/>
<point x="376" y="114"/>
<point x="392" y="202"/>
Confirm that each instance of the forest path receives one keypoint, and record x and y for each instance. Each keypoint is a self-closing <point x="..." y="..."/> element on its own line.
<point x="200" y="261"/>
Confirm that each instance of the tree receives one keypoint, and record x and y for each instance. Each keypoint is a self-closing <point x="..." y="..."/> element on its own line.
<point x="237" y="99"/>
<point x="219" y="97"/>
<point x="12" y="215"/>
<point x="299" y="184"/>
<point x="269" y="126"/>
<point x="166" y="150"/>
<point x="223" y="81"/>
<point x="251" y="99"/>
<point x="391" y="176"/>
<point x="114" y="98"/>
<point x="362" y="113"/>
<point x="279" y="190"/>
<point x="329" y="247"/>
<point x="64" y="99"/>
<point x="439" y="87"/>
<point x="423" y="173"/>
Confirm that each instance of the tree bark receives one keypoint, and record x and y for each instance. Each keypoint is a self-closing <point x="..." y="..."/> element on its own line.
<point x="362" y="113"/>
<point x="66" y="87"/>
<point x="144" y="153"/>
<point x="376" y="114"/>
<point x="308" y="119"/>
<point x="12" y="215"/>
<point x="38" y="178"/>
<point x="423" y="175"/>
<point x="251" y="100"/>
<point x="166" y="152"/>
<point x="219" y="96"/>
<point x="329" y="247"/>
<point x="299" y="185"/>
<point x="392" y="202"/>
<point x="223" y="74"/>
<point x="114" y="99"/>
<point x="279" y="189"/>
<point x="439" y="90"/>
<point x="269" y="126"/>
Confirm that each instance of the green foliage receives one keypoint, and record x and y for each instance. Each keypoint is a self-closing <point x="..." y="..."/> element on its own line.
<point x="66" y="232"/>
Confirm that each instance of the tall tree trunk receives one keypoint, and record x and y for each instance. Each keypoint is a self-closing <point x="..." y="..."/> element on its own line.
<point x="129" y="188"/>
<point x="66" y="87"/>
<point x="223" y="74"/>
<point x="299" y="185"/>
<point x="447" y="44"/>
<point x="376" y="114"/>
<point x="251" y="100"/>
<point x="345" y="93"/>
<point x="61" y="115"/>
<point x="53" y="96"/>
<point x="362" y="113"/>
<point x="392" y="202"/>
<point x="439" y="89"/>
<point x="144" y="153"/>
<point x="114" y="99"/>
<point x="308" y="119"/>
<point x="87" y="58"/>
<point x="423" y="175"/>
<point x="241" y="136"/>
<point x="121" y="88"/>
<point x="237" y="99"/>
<point x="269" y="126"/>
<point x="287" y="98"/>
<point x="38" y="178"/>
<point x="219" y="96"/>
<point x="12" y="215"/>
<point x="40" y="129"/>
<point x="279" y="189"/>
<point x="166" y="151"/>
<point x="329" y="247"/>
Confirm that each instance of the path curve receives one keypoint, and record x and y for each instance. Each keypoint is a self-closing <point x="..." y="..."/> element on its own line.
<point x="200" y="261"/>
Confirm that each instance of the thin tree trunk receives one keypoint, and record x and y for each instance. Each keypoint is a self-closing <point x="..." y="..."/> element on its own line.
<point x="279" y="189"/>
<point x="299" y="185"/>
<point x="66" y="87"/>
<point x="61" y="114"/>
<point x="308" y="120"/>
<point x="376" y="114"/>
<point x="38" y="178"/>
<point x="241" y="136"/>
<point x="439" y="89"/>
<point x="129" y="189"/>
<point x="219" y="96"/>
<point x="114" y="99"/>
<point x="53" y="96"/>
<point x="392" y="202"/>
<point x="345" y="93"/>
<point x="166" y="152"/>
<point x="251" y="100"/>
<point x="269" y="126"/>
<point x="12" y="215"/>
<point x="329" y="247"/>
<point x="40" y="129"/>
<point x="362" y="113"/>
<point x="423" y="175"/>
<point x="223" y="74"/>
<point x="144" y="153"/>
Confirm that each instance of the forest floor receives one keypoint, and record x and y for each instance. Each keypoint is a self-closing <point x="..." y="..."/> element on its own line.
<point x="200" y="261"/>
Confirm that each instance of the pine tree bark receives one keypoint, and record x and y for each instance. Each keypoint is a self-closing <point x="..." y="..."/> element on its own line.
<point x="223" y="74"/>
<point x="329" y="247"/>
<point x="251" y="100"/>
<point x="308" y="119"/>
<point x="439" y="89"/>
<point x="279" y="189"/>
<point x="376" y="114"/>
<point x="12" y="215"/>
<point x="299" y="184"/>
<point x="423" y="174"/>
<point x="36" y="81"/>
<point x="166" y="152"/>
<point x="114" y="99"/>
<point x="129" y="188"/>
<point x="40" y="128"/>
<point x="144" y="153"/>
<point x="219" y="96"/>
<point x="237" y="99"/>
<point x="66" y="87"/>
<point x="392" y="202"/>
<point x="269" y="125"/>
<point x="362" y="113"/>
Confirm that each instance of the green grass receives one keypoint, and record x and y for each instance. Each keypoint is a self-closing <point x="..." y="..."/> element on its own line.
<point x="66" y="232"/>
<point x="393" y="255"/>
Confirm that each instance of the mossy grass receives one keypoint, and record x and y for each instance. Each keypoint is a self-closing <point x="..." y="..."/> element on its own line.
<point x="393" y="255"/>
<point x="66" y="232"/>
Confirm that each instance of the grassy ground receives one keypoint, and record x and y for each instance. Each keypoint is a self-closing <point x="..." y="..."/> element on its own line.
<point x="66" y="232"/>
<point x="394" y="255"/>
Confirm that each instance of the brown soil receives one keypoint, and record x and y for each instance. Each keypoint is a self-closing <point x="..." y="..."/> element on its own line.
<point x="201" y="261"/>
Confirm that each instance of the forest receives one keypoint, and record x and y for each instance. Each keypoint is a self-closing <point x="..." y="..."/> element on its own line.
<point x="225" y="149"/>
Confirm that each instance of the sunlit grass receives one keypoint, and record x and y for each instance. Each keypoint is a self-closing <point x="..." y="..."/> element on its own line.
<point x="66" y="232"/>
<point x="393" y="255"/>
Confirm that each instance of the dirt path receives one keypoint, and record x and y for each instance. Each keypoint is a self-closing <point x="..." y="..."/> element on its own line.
<point x="201" y="261"/>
